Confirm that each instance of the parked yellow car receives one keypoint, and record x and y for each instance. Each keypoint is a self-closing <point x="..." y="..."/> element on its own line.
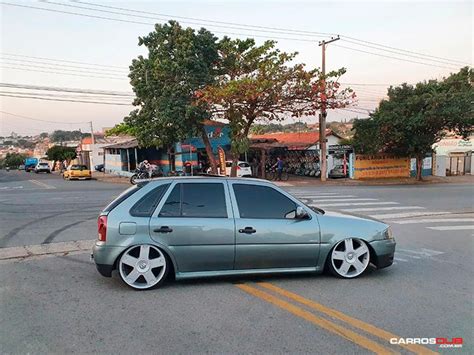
<point x="77" y="171"/>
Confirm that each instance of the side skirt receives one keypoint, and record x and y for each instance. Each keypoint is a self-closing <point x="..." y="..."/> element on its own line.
<point x="198" y="274"/>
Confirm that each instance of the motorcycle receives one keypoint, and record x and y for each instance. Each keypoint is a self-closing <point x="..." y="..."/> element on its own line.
<point x="141" y="174"/>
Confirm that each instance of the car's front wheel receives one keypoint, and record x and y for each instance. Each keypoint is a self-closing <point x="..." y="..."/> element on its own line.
<point x="143" y="267"/>
<point x="349" y="258"/>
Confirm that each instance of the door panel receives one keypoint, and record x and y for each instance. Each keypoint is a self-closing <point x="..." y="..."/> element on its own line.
<point x="276" y="243"/>
<point x="195" y="220"/>
<point x="198" y="244"/>
<point x="275" y="238"/>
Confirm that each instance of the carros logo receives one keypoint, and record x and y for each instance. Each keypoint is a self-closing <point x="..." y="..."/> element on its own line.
<point x="442" y="342"/>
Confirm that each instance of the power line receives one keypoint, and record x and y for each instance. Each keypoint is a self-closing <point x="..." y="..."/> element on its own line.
<point x="279" y="29"/>
<point x="65" y="100"/>
<point x="33" y="94"/>
<point x="207" y="21"/>
<point x="146" y="23"/>
<point x="112" y="75"/>
<point x="39" y="120"/>
<point x="387" y="56"/>
<point x="238" y="27"/>
<point x="405" y="50"/>
<point x="21" y="60"/>
<point x="62" y="89"/>
<point x="448" y="62"/>
<point x="54" y="72"/>
<point x="63" y="60"/>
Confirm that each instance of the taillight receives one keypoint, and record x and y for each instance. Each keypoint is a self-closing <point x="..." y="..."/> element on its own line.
<point x="102" y="228"/>
<point x="238" y="167"/>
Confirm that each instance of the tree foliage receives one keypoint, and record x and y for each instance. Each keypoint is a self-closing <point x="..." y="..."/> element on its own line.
<point x="122" y="129"/>
<point x="180" y="62"/>
<point x="60" y="153"/>
<point x="13" y="160"/>
<point x="64" y="136"/>
<point x="413" y="118"/>
<point x="260" y="83"/>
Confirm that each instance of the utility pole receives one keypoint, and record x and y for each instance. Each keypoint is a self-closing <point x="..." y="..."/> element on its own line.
<point x="323" y="114"/>
<point x="92" y="146"/>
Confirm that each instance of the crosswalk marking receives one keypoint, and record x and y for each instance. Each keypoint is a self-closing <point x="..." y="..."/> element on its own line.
<point x="452" y="228"/>
<point x="386" y="216"/>
<point x="326" y="197"/>
<point x="435" y="220"/>
<point x="346" y="200"/>
<point x="369" y="209"/>
<point x="354" y="204"/>
<point x="421" y="252"/>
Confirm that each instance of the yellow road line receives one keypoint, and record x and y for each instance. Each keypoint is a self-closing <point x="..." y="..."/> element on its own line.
<point x="380" y="333"/>
<point x="320" y="322"/>
<point x="42" y="184"/>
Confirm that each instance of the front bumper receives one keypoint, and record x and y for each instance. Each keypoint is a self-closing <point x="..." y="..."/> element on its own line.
<point x="105" y="256"/>
<point x="384" y="252"/>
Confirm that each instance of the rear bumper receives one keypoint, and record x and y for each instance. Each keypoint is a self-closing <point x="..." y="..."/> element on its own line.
<point x="384" y="252"/>
<point x="105" y="256"/>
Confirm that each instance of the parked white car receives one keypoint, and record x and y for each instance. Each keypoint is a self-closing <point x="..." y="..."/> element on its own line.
<point x="42" y="168"/>
<point x="243" y="168"/>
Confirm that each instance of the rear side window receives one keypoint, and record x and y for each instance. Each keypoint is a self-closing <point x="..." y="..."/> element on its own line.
<point x="263" y="202"/>
<point x="203" y="200"/>
<point x="123" y="196"/>
<point x="147" y="204"/>
<point x="244" y="165"/>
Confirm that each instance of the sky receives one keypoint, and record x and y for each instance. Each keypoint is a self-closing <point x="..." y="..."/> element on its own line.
<point x="46" y="48"/>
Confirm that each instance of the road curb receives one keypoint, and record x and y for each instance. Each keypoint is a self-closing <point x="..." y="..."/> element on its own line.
<point x="27" y="251"/>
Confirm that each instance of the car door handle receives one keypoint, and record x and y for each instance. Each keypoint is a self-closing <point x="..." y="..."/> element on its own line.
<point x="164" y="229"/>
<point x="247" y="230"/>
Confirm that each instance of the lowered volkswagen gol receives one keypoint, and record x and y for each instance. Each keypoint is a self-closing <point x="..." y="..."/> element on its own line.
<point x="203" y="226"/>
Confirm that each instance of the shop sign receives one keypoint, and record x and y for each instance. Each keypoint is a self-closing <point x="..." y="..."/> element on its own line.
<point x="221" y="153"/>
<point x="380" y="166"/>
<point x="339" y="148"/>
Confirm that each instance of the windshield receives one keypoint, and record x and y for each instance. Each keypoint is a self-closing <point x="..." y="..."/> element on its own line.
<point x="78" y="167"/>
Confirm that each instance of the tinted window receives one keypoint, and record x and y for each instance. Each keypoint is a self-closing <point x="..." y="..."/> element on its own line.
<point x="123" y="196"/>
<point x="172" y="206"/>
<point x="244" y="165"/>
<point x="263" y="202"/>
<point x="147" y="204"/>
<point x="204" y="200"/>
<point x="78" y="167"/>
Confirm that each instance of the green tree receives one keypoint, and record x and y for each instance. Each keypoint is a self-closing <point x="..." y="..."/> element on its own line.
<point x="13" y="160"/>
<point x="180" y="62"/>
<point x="413" y="118"/>
<point x="44" y="135"/>
<point x="60" y="153"/>
<point x="120" y="129"/>
<point x="260" y="83"/>
<point x="60" y="136"/>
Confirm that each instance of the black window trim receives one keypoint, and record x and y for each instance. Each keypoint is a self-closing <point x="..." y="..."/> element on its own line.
<point x="158" y="200"/>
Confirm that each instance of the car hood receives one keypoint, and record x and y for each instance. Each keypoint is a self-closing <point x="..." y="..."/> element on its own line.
<point x="352" y="215"/>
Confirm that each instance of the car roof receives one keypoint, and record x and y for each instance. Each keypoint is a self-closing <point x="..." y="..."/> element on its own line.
<point x="209" y="178"/>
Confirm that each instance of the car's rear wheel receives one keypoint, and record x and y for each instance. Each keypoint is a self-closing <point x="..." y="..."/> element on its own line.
<point x="143" y="267"/>
<point x="349" y="258"/>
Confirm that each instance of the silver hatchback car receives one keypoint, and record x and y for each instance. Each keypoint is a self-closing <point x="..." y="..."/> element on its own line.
<point x="207" y="226"/>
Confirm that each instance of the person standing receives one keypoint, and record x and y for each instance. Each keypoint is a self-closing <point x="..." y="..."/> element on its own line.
<point x="279" y="166"/>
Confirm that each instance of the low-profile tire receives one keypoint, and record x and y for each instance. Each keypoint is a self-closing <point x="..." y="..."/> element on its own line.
<point x="349" y="258"/>
<point x="143" y="267"/>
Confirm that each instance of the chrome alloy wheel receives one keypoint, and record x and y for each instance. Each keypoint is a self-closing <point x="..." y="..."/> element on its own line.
<point x="350" y="257"/>
<point x="143" y="266"/>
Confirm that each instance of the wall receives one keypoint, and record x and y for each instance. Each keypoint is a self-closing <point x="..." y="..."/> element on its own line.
<point x="380" y="166"/>
<point x="427" y="168"/>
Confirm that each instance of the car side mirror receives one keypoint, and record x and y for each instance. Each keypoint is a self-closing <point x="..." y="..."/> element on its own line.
<point x="301" y="213"/>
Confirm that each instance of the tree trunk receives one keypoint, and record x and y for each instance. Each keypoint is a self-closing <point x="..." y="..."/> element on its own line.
<point x="419" y="167"/>
<point x="235" y="160"/>
<point x="210" y="154"/>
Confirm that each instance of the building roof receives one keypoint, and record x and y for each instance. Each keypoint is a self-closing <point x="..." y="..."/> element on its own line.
<point x="294" y="139"/>
<point x="124" y="145"/>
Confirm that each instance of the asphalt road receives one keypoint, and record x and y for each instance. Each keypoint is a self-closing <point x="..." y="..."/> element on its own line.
<point x="61" y="304"/>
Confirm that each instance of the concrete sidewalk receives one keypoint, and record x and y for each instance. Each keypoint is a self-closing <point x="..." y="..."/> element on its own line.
<point x="307" y="181"/>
